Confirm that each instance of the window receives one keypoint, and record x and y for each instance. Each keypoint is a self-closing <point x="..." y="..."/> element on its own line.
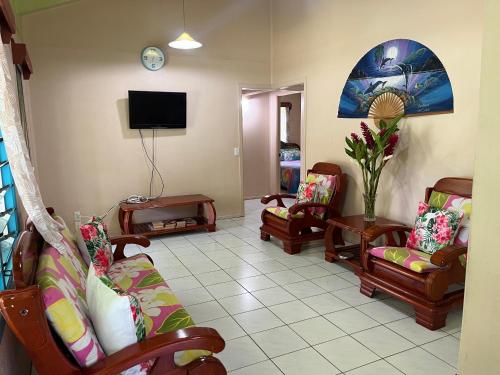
<point x="9" y="224"/>
<point x="285" y="108"/>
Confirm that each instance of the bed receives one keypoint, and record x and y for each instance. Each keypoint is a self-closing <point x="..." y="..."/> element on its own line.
<point x="289" y="168"/>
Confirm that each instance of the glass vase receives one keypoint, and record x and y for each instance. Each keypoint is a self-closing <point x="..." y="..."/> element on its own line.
<point x="369" y="200"/>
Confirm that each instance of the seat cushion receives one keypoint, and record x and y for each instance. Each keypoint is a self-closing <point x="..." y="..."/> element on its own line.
<point x="62" y="280"/>
<point x="414" y="260"/>
<point x="161" y="309"/>
<point x="283" y="213"/>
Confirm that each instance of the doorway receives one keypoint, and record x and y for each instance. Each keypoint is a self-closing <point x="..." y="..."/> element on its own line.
<point x="272" y="140"/>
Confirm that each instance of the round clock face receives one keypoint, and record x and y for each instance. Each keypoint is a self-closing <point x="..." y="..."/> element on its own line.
<point x="152" y="58"/>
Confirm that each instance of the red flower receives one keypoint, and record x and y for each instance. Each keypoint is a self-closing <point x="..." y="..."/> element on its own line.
<point x="88" y="232"/>
<point x="442" y="236"/>
<point x="393" y="140"/>
<point x="442" y="221"/>
<point x="382" y="132"/>
<point x="422" y="208"/>
<point x="370" y="142"/>
<point x="355" y="138"/>
<point x="413" y="238"/>
<point x="101" y="258"/>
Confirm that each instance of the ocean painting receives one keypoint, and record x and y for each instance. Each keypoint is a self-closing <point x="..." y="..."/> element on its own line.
<point x="403" y="67"/>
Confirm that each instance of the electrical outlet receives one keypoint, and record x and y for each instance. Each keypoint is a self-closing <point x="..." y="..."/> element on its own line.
<point x="77" y="216"/>
<point x="236" y="151"/>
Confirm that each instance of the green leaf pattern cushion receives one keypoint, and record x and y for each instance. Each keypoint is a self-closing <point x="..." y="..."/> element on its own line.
<point x="161" y="309"/>
<point x="434" y="228"/>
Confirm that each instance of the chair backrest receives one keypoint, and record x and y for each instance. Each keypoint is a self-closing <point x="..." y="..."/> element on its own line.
<point x="451" y="185"/>
<point x="24" y="309"/>
<point x="337" y="201"/>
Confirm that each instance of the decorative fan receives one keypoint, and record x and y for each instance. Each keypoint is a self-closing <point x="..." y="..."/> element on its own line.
<point x="386" y="106"/>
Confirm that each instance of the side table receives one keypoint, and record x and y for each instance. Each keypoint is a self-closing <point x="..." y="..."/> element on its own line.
<point x="357" y="225"/>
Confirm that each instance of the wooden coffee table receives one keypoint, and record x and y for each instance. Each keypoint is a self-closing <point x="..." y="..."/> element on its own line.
<point x="357" y="225"/>
<point x="205" y="217"/>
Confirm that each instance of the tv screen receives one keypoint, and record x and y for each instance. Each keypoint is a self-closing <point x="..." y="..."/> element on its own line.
<point x="157" y="110"/>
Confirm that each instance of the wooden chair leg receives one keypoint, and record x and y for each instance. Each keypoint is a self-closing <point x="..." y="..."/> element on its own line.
<point x="292" y="248"/>
<point x="265" y="236"/>
<point x="429" y="318"/>
<point x="367" y="289"/>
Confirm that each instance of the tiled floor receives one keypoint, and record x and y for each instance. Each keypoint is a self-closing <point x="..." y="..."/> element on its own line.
<point x="295" y="314"/>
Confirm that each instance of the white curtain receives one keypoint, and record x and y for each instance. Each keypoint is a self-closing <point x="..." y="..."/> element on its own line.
<point x="20" y="164"/>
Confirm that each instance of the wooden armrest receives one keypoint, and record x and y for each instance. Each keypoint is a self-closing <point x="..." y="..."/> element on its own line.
<point x="121" y="241"/>
<point x="375" y="231"/>
<point x="158" y="346"/>
<point x="278" y="197"/>
<point x="447" y="255"/>
<point x="302" y="207"/>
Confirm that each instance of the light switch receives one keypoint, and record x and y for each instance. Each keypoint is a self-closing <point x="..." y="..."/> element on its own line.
<point x="236" y="151"/>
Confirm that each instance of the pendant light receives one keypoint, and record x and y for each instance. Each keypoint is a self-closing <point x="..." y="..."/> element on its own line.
<point x="184" y="41"/>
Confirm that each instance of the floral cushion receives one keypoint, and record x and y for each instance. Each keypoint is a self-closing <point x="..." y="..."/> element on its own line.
<point x="283" y="213"/>
<point x="458" y="203"/>
<point x="306" y="192"/>
<point x="62" y="283"/>
<point x="161" y="309"/>
<point x="325" y="187"/>
<point x="414" y="260"/>
<point x="434" y="228"/>
<point x="95" y="235"/>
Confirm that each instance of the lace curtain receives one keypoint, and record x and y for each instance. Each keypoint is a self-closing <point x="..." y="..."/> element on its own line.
<point x="21" y="167"/>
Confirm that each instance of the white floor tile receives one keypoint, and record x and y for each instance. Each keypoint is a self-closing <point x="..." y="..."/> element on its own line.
<point x="382" y="341"/>
<point x="193" y="296"/>
<point x="241" y="303"/>
<point x="273" y="296"/>
<point x="262" y="368"/>
<point x="226" y="327"/>
<point x="228" y="289"/>
<point x="376" y="368"/>
<point x="335" y="267"/>
<point x="285" y="277"/>
<point x="279" y="341"/>
<point x="304" y="289"/>
<point x="414" y="332"/>
<point x="257" y="283"/>
<point x="417" y="361"/>
<point x="312" y="272"/>
<point x="242" y="271"/>
<point x="382" y="312"/>
<point x="351" y="320"/>
<point x="206" y="311"/>
<point x="331" y="283"/>
<point x="354" y="297"/>
<point x="291" y="312"/>
<point x="317" y="330"/>
<point x="292" y="261"/>
<point x="305" y="361"/>
<point x="350" y="276"/>
<point x="184" y="283"/>
<point x="210" y="247"/>
<point x="453" y="322"/>
<point x="245" y="249"/>
<point x="325" y="303"/>
<point x="240" y="352"/>
<point x="258" y="320"/>
<point x="446" y="349"/>
<point x="346" y="353"/>
<point x="215" y="277"/>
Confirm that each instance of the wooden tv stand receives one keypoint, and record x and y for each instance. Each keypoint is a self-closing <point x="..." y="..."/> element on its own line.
<point x="202" y="222"/>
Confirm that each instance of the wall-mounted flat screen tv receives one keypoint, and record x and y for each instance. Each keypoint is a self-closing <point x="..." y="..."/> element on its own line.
<point x="157" y="110"/>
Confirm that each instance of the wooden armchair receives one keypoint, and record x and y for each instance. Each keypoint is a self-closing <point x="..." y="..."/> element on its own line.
<point x="24" y="312"/>
<point x="427" y="284"/>
<point x="299" y="225"/>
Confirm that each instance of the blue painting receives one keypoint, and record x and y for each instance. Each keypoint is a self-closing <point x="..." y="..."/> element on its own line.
<point x="403" y="67"/>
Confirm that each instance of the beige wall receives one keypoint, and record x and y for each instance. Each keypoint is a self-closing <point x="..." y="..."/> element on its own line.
<point x="481" y="327"/>
<point x="321" y="40"/>
<point x="86" y="57"/>
<point x="293" y="117"/>
<point x="256" y="146"/>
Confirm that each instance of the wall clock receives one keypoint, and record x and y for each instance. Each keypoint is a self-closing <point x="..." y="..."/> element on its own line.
<point x="152" y="58"/>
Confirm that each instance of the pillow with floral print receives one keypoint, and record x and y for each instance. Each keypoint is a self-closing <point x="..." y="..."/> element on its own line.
<point x="306" y="192"/>
<point x="95" y="235"/>
<point x="434" y="228"/>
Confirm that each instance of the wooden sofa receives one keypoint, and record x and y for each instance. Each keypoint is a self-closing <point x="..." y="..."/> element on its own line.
<point x="301" y="226"/>
<point x="430" y="291"/>
<point x="25" y="313"/>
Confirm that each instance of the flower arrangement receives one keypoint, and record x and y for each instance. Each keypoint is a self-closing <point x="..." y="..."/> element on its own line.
<point x="372" y="152"/>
